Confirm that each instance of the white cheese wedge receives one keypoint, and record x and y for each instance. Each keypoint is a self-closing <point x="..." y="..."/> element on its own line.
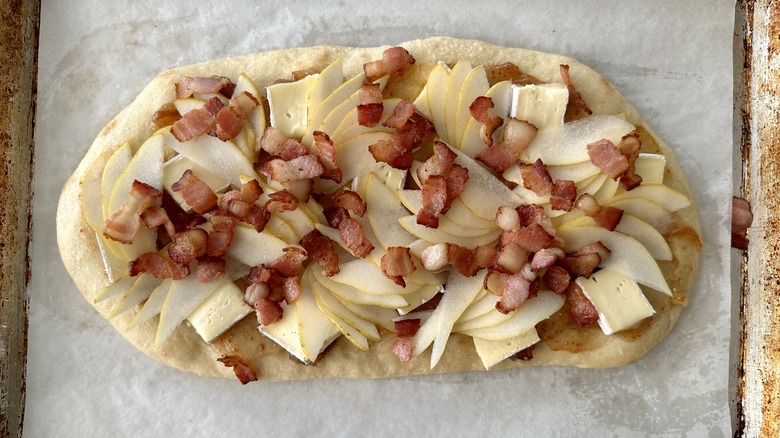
<point x="617" y="298"/>
<point x="288" y="105"/>
<point x="219" y="311"/>
<point x="540" y="105"/>
<point x="176" y="166"/>
<point x="285" y="333"/>
<point x="493" y="352"/>
<point x="651" y="168"/>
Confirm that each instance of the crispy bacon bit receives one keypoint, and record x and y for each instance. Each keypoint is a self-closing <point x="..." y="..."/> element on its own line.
<point x="608" y="158"/>
<point x="435" y="257"/>
<point x="268" y="311"/>
<point x="533" y="238"/>
<point x="157" y="266"/>
<point x="580" y="265"/>
<point x="397" y="263"/>
<point x="321" y="249"/>
<point x="401" y="114"/>
<point x="604" y="216"/>
<point x="402" y="347"/>
<point x="255" y="292"/>
<point x="290" y="263"/>
<point x="272" y="141"/>
<point x="210" y="268"/>
<point x="442" y="182"/>
<point x="629" y="147"/>
<point x="456" y="182"/>
<point x="575" y="95"/>
<point x="187" y="86"/>
<point x="243" y="370"/>
<point x="564" y="192"/>
<point x="507" y="218"/>
<point x="497" y="157"/>
<point x="595" y="247"/>
<point x="125" y="223"/>
<point x="229" y="124"/>
<point x="515" y="292"/>
<point x="187" y="245"/>
<point x="291" y="289"/>
<point x="534" y="214"/>
<point x="495" y="282"/>
<point x="301" y="188"/>
<point x="536" y="178"/>
<point x="407" y="327"/>
<point x="258" y="217"/>
<point x="580" y="307"/>
<point x="192" y="124"/>
<point x="243" y="104"/>
<point x="370" y="109"/>
<point x="397" y="152"/>
<point x="480" y="110"/>
<point x="518" y="135"/>
<point x="335" y="215"/>
<point x="485" y="256"/>
<point x="511" y="258"/>
<point x="741" y="219"/>
<point x="439" y="163"/>
<point x="154" y="216"/>
<point x="260" y="274"/>
<point x="544" y="258"/>
<point x="463" y="260"/>
<point x="196" y="193"/>
<point x="354" y="238"/>
<point x="165" y="116"/>
<point x="434" y="200"/>
<point x="326" y="151"/>
<point x="221" y="235"/>
<point x="281" y="201"/>
<point x="180" y="218"/>
<point x="394" y="61"/>
<point x="213" y="106"/>
<point x="349" y="200"/>
<point x="556" y="279"/>
<point x="307" y="166"/>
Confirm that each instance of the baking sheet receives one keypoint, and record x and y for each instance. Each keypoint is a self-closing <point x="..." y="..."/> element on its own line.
<point x="94" y="59"/>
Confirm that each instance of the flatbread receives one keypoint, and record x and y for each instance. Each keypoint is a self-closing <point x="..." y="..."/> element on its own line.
<point x="563" y="343"/>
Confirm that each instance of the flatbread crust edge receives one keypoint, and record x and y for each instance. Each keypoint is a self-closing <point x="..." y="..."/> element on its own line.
<point x="185" y="350"/>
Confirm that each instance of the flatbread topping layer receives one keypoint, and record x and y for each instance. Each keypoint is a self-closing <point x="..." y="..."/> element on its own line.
<point x="440" y="206"/>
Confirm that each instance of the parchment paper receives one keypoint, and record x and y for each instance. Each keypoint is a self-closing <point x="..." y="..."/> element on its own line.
<point x="672" y="60"/>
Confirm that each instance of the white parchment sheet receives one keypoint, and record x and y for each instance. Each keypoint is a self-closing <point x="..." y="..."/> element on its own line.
<point x="672" y="60"/>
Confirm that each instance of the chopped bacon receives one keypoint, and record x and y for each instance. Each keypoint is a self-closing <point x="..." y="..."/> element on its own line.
<point x="580" y="265"/>
<point x="272" y="141"/>
<point x="439" y="163"/>
<point x="564" y="192"/>
<point x="608" y="158"/>
<point x="243" y="370"/>
<point x="268" y="311"/>
<point x="544" y="258"/>
<point x="402" y="348"/>
<point x="187" y="86"/>
<point x="497" y="157"/>
<point x="192" y="124"/>
<point x="515" y="292"/>
<point x="306" y="166"/>
<point x="534" y="214"/>
<point x="434" y="200"/>
<point x="290" y="263"/>
<point x="480" y="111"/>
<point x="397" y="263"/>
<point x="580" y="307"/>
<point x="463" y="260"/>
<point x="187" y="245"/>
<point x="125" y="223"/>
<point x="181" y="219"/>
<point x="485" y="256"/>
<point x="466" y="261"/>
<point x="385" y="151"/>
<point x="533" y="238"/>
<point x="456" y="182"/>
<point x="370" y="109"/>
<point x="221" y="235"/>
<point x="435" y="257"/>
<point x="629" y="147"/>
<point x="595" y="247"/>
<point x="402" y="112"/>
<point x="335" y="215"/>
<point x="394" y="61"/>
<point x="354" y="238"/>
<point x="157" y="266"/>
<point x="229" y="123"/>
<point x="255" y="292"/>
<point x="556" y="279"/>
<point x="511" y="258"/>
<point x="210" y="268"/>
<point x="349" y="200"/>
<point x="258" y="217"/>
<point x="741" y="220"/>
<point x="518" y="135"/>
<point x="165" y="116"/>
<point x="495" y="282"/>
<point x="243" y="104"/>
<point x="301" y="188"/>
<point x="326" y="151"/>
<point x="213" y="105"/>
<point x="407" y="327"/>
<point x="507" y="218"/>
<point x="605" y="216"/>
<point x="442" y="182"/>
<point x="575" y="95"/>
<point x="154" y="216"/>
<point x="281" y="201"/>
<point x="196" y="193"/>
<point x="321" y="249"/>
<point x="397" y="152"/>
<point x="536" y="177"/>
<point x="291" y="289"/>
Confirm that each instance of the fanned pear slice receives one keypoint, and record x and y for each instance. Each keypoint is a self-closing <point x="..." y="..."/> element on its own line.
<point x="670" y="199"/>
<point x="480" y="182"/>
<point x="352" y="334"/>
<point x="646" y="210"/>
<point x="349" y="127"/>
<point x="437" y="94"/>
<point x="420" y="297"/>
<point x="488" y="319"/>
<point x="183" y="298"/>
<point x="645" y="234"/>
<point x="324" y="297"/>
<point x="383" y="212"/>
<point x="224" y="159"/>
<point x="434" y="235"/>
<point x="474" y="85"/>
<point x="452" y="98"/>
<point x="120" y="286"/>
<point x="140" y="291"/>
<point x="380" y="316"/>
<point x="331" y="111"/>
<point x="493" y="352"/>
<point x="314" y="328"/>
<point x="354" y="295"/>
<point x="533" y="311"/>
<point x="329" y="79"/>
<point x="153" y="304"/>
<point x="146" y="166"/>
<point x="573" y="172"/>
<point x="257" y="116"/>
<point x="458" y="212"/>
<point x="115" y="165"/>
<point x="369" y="278"/>
<point x="174" y="168"/>
<point x="482" y="304"/>
<point x="252" y="248"/>
<point x="472" y="143"/>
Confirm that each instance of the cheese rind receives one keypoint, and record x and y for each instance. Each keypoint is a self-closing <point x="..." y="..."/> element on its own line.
<point x="219" y="311"/>
<point x="540" y="105"/>
<point x="617" y="298"/>
<point x="288" y="105"/>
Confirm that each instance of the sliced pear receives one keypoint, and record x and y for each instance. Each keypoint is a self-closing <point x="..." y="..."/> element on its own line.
<point x="607" y="190"/>
<point x="219" y="311"/>
<point x="183" y="106"/>
<point x="145" y="166"/>
<point x="153" y="304"/>
<point x="224" y="159"/>
<point x="382" y="214"/>
<point x="671" y="200"/>
<point x="488" y="319"/>
<point x="452" y="98"/>
<point x="114" y="262"/>
<point x="368" y="277"/>
<point x="480" y="182"/>
<point x="91" y="196"/>
<point x="281" y="229"/>
<point x="592" y="186"/>
<point x="628" y="257"/>
<point x="326" y="299"/>
<point x="574" y="172"/>
<point x="646" y="210"/>
<point x="352" y="334"/>
<point x="474" y="85"/>
<point x="246" y="140"/>
<point x="252" y="248"/>
<point x="523" y="319"/>
<point x="300" y="223"/>
<point x="121" y="286"/>
<point x="420" y="297"/>
<point x="115" y="165"/>
<point x="472" y="143"/>
<point x="332" y="110"/>
<point x="482" y="304"/>
<point x="380" y="316"/>
<point x="174" y="168"/>
<point x="458" y="212"/>
<point x="493" y="352"/>
<point x="349" y="127"/>
<point x="434" y="235"/>
<point x="645" y="234"/>
<point x="651" y="168"/>
<point x="140" y="291"/>
<point x="354" y="295"/>
<point x="437" y="94"/>
<point x="329" y="79"/>
<point x="257" y="116"/>
<point x="314" y="328"/>
<point x="287" y="103"/>
<point x="285" y="333"/>
<point x="568" y="144"/>
<point x="354" y="158"/>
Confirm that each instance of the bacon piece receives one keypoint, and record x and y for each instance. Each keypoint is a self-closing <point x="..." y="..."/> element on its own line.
<point x="243" y="370"/>
<point x="221" y="235"/>
<point x="604" y="216"/>
<point x="187" y="86"/>
<point x="281" y="201"/>
<point x="401" y="114"/>
<point x="349" y="200"/>
<point x="497" y="157"/>
<point x="580" y="307"/>
<point x="463" y="260"/>
<point x="272" y="141"/>
<point x="564" y="192"/>
<point x="326" y="151"/>
<point x="210" y="268"/>
<point x="435" y="257"/>
<point x="192" y="124"/>
<point x="442" y="182"/>
<point x="154" y="216"/>
<point x="165" y="116"/>
<point x="629" y="147"/>
<point x="407" y="327"/>
<point x="243" y="104"/>
<point x="255" y="292"/>
<point x="335" y="215"/>
<point x="307" y="166"/>
<point x="495" y="282"/>
<point x="291" y="262"/>
<point x="480" y="110"/>
<point x="402" y="348"/>
<point x="213" y="105"/>
<point x="515" y="292"/>
<point x="533" y="238"/>
<point x="370" y="109"/>
<point x="397" y="263"/>
<point x="181" y="219"/>
<point x="595" y="247"/>
<point x="439" y="163"/>
<point x="456" y="182"/>
<point x="507" y="218"/>
<point x="581" y="265"/>
<point x="195" y="192"/>
<point x="301" y="188"/>
<point x="741" y="220"/>
<point x="157" y="266"/>
<point x="511" y="258"/>
<point x="536" y="178"/>
<point x="187" y="245"/>
<point x="321" y="249"/>
<point x="434" y="200"/>
<point x="229" y="124"/>
<point x="125" y="223"/>
<point x="291" y="289"/>
<point x="608" y="158"/>
<point x="394" y="61"/>
<point x="518" y="135"/>
<point x="575" y="95"/>
<point x="268" y="311"/>
<point x="534" y="214"/>
<point x="397" y="152"/>
<point x="354" y="238"/>
<point x="485" y="256"/>
<point x="556" y="279"/>
<point x="544" y="258"/>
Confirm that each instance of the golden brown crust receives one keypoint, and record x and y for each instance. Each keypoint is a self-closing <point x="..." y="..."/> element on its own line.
<point x="562" y="343"/>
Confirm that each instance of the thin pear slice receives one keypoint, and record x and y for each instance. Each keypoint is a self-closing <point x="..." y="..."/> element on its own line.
<point x="183" y="106"/>
<point x="607" y="190"/>
<point x="300" y="223"/>
<point x="153" y="304"/>
<point x="380" y="316"/>
<point x="281" y="229"/>
<point x="369" y="278"/>
<point x="140" y="291"/>
<point x="434" y="235"/>
<point x="285" y="333"/>
<point x="651" y="168"/>
<point x="628" y="256"/>
<point x="421" y="103"/>
<point x="219" y="311"/>
<point x="645" y="234"/>
<point x="573" y="172"/>
<point x="670" y="199"/>
<point x="458" y="212"/>
<point x="493" y="352"/>
<point x="328" y="81"/>
<point x="488" y="319"/>
<point x="91" y="196"/>
<point x="324" y="297"/>
<point x="114" y="262"/>
<point x="354" y="158"/>
<point x="646" y="210"/>
<point x="257" y="116"/>
<point x="349" y="127"/>
<point x="523" y="319"/>
<point x="472" y="143"/>
<point x="314" y="328"/>
<point x="332" y="110"/>
<point x="252" y="248"/>
<point x="482" y="304"/>
<point x="474" y="85"/>
<point x="224" y="159"/>
<point x="146" y="166"/>
<point x="568" y="145"/>
<point x="183" y="298"/>
<point x="452" y="98"/>
<point x="480" y="183"/>
<point x="122" y="285"/>
<point x="115" y="165"/>
<point x="352" y="334"/>
<point x="383" y="212"/>
<point x="420" y="297"/>
<point x="353" y="295"/>
<point x="245" y="141"/>
<point x="437" y="92"/>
